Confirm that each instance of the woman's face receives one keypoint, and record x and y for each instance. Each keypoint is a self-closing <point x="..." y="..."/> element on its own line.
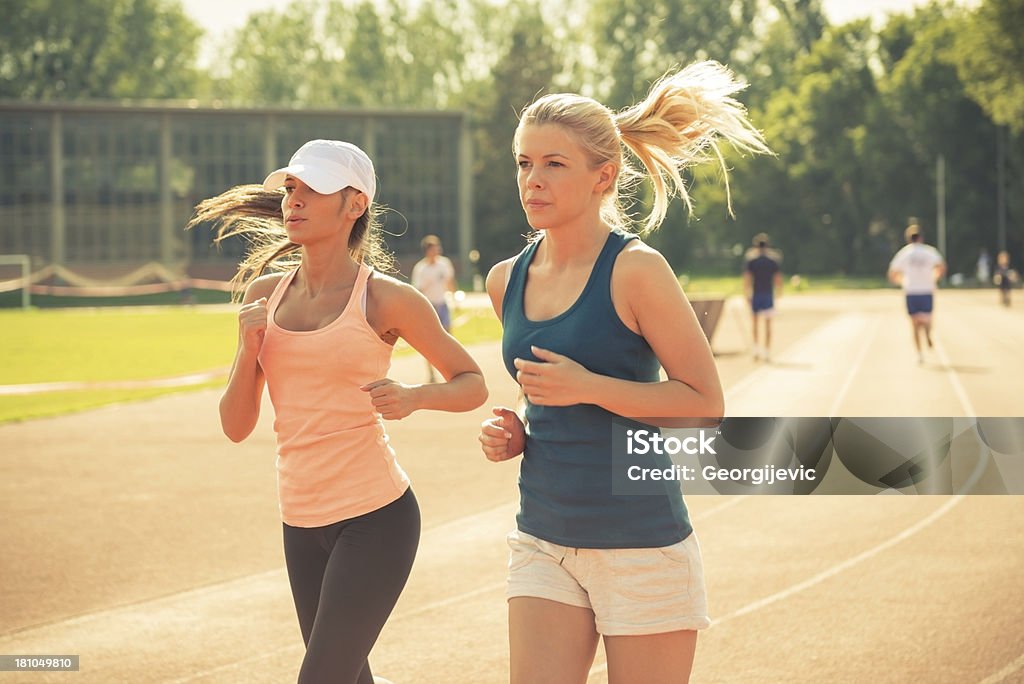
<point x="556" y="182"/>
<point x="310" y="216"/>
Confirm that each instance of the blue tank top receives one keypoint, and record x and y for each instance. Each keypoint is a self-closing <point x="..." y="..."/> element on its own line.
<point x="565" y="478"/>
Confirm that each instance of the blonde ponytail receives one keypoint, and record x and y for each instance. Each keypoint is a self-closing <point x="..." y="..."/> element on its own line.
<point x="680" y="123"/>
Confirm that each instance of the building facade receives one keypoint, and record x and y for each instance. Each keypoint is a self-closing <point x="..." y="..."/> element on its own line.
<point x="109" y="187"/>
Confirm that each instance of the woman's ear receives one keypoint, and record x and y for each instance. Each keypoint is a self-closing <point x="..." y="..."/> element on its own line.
<point x="607" y="173"/>
<point x="358" y="204"/>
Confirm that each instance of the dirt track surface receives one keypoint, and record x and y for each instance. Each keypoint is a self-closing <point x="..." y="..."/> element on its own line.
<point x="139" y="538"/>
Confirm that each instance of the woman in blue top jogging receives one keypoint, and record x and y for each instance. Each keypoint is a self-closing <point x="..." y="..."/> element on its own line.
<point x="589" y="314"/>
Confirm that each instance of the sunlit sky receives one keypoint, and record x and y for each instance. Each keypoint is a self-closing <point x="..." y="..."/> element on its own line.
<point x="217" y="17"/>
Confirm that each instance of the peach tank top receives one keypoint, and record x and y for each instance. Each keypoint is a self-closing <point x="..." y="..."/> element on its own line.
<point x="334" y="461"/>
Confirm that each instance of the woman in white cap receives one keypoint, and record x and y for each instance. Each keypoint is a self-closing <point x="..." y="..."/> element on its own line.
<point x="319" y="332"/>
<point x="590" y="315"/>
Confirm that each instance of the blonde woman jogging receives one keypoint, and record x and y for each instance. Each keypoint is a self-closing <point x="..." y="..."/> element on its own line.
<point x="319" y="334"/>
<point x="589" y="314"/>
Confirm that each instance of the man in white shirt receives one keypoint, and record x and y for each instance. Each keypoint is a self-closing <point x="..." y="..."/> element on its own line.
<point x="434" y="276"/>
<point x="917" y="267"/>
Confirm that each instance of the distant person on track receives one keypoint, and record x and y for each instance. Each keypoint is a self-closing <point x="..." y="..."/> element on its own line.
<point x="983" y="268"/>
<point x="762" y="279"/>
<point x="917" y="268"/>
<point x="590" y="314"/>
<point x="319" y="332"/>
<point x="1005" y="278"/>
<point x="434" y="276"/>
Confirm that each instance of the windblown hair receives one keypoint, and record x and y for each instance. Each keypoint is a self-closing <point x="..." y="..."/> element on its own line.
<point x="679" y="124"/>
<point x="250" y="212"/>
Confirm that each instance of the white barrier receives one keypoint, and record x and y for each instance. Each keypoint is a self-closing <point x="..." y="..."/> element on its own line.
<point x="82" y="286"/>
<point x="26" y="268"/>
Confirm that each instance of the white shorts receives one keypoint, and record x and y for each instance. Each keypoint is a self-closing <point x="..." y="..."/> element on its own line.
<point x="630" y="591"/>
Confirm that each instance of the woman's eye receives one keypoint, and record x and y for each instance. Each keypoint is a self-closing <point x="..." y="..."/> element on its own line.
<point x="554" y="163"/>
<point x="523" y="165"/>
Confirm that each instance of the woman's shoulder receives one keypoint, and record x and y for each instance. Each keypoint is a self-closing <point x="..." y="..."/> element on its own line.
<point x="499" y="272"/>
<point x="262" y="287"/>
<point x="386" y="289"/>
<point x="638" y="258"/>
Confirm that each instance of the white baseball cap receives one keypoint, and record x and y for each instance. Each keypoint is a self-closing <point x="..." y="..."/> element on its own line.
<point x="327" y="166"/>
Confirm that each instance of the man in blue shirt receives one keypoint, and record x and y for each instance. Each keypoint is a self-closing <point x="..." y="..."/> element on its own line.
<point x="761" y="278"/>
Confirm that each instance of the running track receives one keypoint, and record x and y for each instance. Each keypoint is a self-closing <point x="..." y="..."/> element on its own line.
<point x="139" y="538"/>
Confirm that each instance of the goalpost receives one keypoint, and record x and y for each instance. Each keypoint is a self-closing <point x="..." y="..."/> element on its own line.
<point x="26" y="274"/>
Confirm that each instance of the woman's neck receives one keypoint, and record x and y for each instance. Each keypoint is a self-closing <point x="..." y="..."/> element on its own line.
<point x="326" y="269"/>
<point x="567" y="246"/>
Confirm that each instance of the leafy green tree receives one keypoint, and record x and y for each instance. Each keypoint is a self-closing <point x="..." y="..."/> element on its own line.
<point x="811" y="199"/>
<point x="277" y="57"/>
<point x="429" y="52"/>
<point x="764" y="196"/>
<point x="338" y="53"/>
<point x="78" y="49"/>
<point x="527" y="65"/>
<point x="934" y="115"/>
<point x="990" y="60"/>
<point x="638" y="40"/>
<point x="771" y="53"/>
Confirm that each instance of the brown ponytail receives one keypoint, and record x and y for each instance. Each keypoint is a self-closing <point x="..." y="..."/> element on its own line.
<point x="253" y="213"/>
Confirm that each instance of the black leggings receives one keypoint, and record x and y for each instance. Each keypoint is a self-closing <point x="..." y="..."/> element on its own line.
<point x="346" y="578"/>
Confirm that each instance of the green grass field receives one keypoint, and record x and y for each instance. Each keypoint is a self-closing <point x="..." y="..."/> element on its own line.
<point x="140" y="343"/>
<point x="97" y="345"/>
<point x="113" y="344"/>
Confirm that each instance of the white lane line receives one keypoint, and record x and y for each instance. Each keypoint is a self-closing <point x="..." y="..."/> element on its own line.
<point x="256" y="582"/>
<point x="845" y="565"/>
<point x="247" y="663"/>
<point x="239" y="583"/>
<point x="854" y="369"/>
<point x="421" y="610"/>
<point x="799" y="350"/>
<point x="805" y="374"/>
<point x="75" y="385"/>
<point x="826" y="574"/>
<point x="954" y="380"/>
<point x="1010" y="669"/>
<point x="457" y="598"/>
<point x="269" y="582"/>
<point x="168" y="602"/>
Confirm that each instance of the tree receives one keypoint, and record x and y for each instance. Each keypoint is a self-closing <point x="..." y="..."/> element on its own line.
<point x="770" y="58"/>
<point x="277" y="57"/>
<point x="763" y="196"/>
<point x="56" y="49"/>
<point x="337" y="53"/>
<point x="641" y="39"/>
<point x="817" y="126"/>
<point x="932" y="114"/>
<point x="990" y="60"/>
<point x="527" y="66"/>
